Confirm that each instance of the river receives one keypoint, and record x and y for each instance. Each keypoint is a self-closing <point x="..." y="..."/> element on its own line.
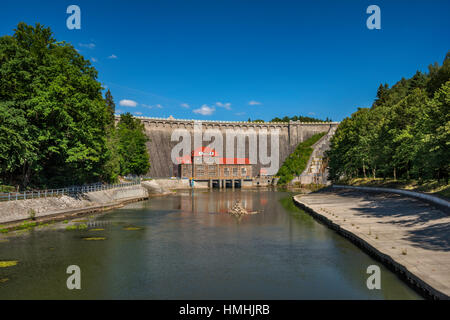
<point x="186" y="246"/>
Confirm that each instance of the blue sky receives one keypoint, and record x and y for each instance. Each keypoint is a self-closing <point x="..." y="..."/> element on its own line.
<point x="232" y="60"/>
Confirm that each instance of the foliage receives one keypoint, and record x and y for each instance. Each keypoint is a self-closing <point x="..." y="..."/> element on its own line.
<point x="132" y="148"/>
<point x="299" y="118"/>
<point x="294" y="118"/>
<point x="52" y="114"/>
<point x="296" y="162"/>
<point x="55" y="127"/>
<point x="404" y="135"/>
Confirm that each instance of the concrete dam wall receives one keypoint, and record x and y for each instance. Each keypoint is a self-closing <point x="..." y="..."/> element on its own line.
<point x="287" y="135"/>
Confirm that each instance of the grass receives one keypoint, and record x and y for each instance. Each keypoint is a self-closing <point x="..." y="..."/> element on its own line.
<point x="296" y="162"/>
<point x="432" y="187"/>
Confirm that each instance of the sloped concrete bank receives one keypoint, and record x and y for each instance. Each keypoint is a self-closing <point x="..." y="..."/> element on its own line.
<point x="408" y="236"/>
<point x="13" y="213"/>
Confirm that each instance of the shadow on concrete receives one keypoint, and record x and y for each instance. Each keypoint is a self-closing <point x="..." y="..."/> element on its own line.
<point x="422" y="219"/>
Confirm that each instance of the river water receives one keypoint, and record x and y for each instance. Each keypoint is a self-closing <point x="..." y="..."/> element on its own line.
<point x="186" y="246"/>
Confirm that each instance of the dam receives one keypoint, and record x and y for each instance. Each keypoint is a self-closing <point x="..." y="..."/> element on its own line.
<point x="160" y="144"/>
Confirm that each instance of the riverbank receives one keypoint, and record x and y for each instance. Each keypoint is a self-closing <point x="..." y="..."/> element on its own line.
<point x="14" y="213"/>
<point x="410" y="236"/>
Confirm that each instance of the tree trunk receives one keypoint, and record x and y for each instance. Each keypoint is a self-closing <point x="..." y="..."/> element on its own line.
<point x="364" y="170"/>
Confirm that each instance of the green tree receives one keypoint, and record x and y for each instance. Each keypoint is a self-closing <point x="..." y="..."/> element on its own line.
<point x="134" y="158"/>
<point x="53" y="114"/>
<point x="110" y="105"/>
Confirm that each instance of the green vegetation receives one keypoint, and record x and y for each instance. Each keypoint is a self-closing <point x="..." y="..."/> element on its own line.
<point x="132" y="150"/>
<point x="81" y="226"/>
<point x="27" y="225"/>
<point x="132" y="228"/>
<point x="6" y="264"/>
<point x="56" y="129"/>
<point x="433" y="187"/>
<point x="404" y="135"/>
<point x="294" y="118"/>
<point x="7" y="188"/>
<point x="94" y="238"/>
<point x="32" y="214"/>
<point x="299" y="118"/>
<point x="296" y="162"/>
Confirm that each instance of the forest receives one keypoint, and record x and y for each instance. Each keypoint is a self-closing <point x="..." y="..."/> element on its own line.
<point x="56" y="128"/>
<point x="405" y="134"/>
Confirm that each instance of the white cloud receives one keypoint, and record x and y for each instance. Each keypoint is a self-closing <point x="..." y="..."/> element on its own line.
<point x="254" y="103"/>
<point x="185" y="105"/>
<point x="204" y="110"/>
<point x="138" y="113"/>
<point x="128" y="103"/>
<point x="239" y="113"/>
<point x="311" y="113"/>
<point x="94" y="59"/>
<point x="151" y="107"/>
<point x="224" y="105"/>
<point x="113" y="56"/>
<point x="87" y="45"/>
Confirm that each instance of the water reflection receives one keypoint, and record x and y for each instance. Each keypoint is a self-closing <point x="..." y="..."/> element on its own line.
<point x="189" y="247"/>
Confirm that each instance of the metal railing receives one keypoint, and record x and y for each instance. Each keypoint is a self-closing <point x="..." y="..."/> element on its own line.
<point x="70" y="191"/>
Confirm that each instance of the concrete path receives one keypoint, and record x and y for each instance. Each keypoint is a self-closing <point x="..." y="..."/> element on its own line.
<point x="407" y="233"/>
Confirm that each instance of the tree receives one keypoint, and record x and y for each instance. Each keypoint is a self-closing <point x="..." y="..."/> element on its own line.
<point x="405" y="134"/>
<point x="54" y="117"/>
<point x="134" y="158"/>
<point x="111" y="105"/>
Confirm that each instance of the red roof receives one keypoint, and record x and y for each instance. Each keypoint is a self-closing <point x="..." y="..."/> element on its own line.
<point x="204" y="151"/>
<point x="208" y="152"/>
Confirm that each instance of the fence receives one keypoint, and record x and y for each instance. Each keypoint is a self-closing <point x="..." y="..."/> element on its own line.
<point x="70" y="191"/>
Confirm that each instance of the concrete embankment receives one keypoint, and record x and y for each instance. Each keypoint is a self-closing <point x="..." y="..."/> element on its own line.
<point x="13" y="213"/>
<point x="410" y="236"/>
<point x="62" y="207"/>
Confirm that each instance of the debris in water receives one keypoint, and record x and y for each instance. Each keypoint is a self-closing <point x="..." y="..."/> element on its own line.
<point x="239" y="210"/>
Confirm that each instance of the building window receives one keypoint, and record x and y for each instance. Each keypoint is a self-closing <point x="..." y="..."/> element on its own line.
<point x="243" y="172"/>
<point x="235" y="171"/>
<point x="226" y="172"/>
